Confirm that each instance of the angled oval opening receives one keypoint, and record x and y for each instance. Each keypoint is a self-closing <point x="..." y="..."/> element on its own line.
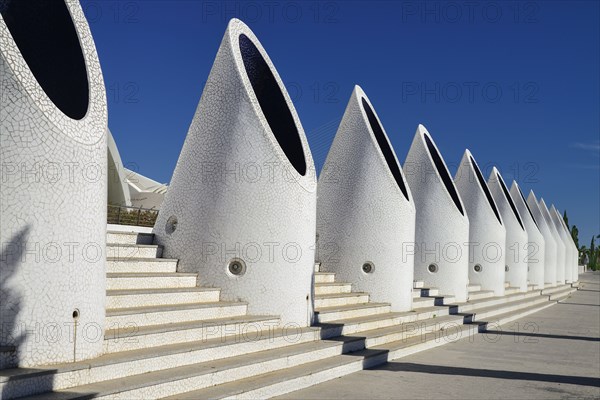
<point x="443" y="171"/>
<point x="46" y="37"/>
<point x="485" y="189"/>
<point x="528" y="209"/>
<point x="385" y="148"/>
<point x="509" y="199"/>
<point x="272" y="103"/>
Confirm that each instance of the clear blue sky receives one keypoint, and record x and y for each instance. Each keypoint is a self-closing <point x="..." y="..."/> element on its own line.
<point x="518" y="83"/>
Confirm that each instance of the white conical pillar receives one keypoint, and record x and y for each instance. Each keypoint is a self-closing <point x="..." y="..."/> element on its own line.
<point x="442" y="226"/>
<point x="574" y="252"/>
<point x="574" y="263"/>
<point x="487" y="236"/>
<point x="535" y="252"/>
<point x="53" y="125"/>
<point x="365" y="214"/>
<point x="551" y="251"/>
<point x="241" y="206"/>
<point x="561" y="258"/>
<point x="565" y="238"/>
<point x="516" y="235"/>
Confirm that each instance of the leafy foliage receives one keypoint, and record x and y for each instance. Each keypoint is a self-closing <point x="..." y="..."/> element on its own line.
<point x="590" y="255"/>
<point x="131" y="216"/>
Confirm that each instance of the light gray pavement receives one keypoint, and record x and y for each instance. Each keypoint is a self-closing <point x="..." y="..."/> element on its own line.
<point x="552" y="354"/>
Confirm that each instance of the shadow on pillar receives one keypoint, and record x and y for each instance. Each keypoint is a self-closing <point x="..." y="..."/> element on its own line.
<point x="12" y="336"/>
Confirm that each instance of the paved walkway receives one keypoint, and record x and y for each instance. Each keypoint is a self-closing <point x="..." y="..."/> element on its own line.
<point x="552" y="354"/>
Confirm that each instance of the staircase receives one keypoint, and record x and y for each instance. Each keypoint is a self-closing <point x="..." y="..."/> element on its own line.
<point x="168" y="338"/>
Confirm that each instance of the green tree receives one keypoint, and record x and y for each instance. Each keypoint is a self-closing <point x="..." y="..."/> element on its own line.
<point x="575" y="235"/>
<point x="573" y="229"/>
<point x="594" y="254"/>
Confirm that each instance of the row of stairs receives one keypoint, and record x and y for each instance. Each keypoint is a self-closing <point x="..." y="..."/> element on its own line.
<point x="168" y="338"/>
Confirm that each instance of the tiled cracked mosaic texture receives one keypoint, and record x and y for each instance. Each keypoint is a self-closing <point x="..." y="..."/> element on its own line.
<point x="53" y="211"/>
<point x="535" y="239"/>
<point x="516" y="235"/>
<point x="363" y="215"/>
<point x="439" y="225"/>
<point x="235" y="194"/>
<point x="550" y="251"/>
<point x="486" y="230"/>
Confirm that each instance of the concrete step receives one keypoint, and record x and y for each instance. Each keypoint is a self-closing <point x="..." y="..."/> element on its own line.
<point x="8" y="357"/>
<point x="305" y="375"/>
<point x="511" y="290"/>
<point x="418" y="284"/>
<point x="133" y="363"/>
<point x="318" y="267"/>
<point x="425" y="292"/>
<point x="289" y="368"/>
<point x="114" y="237"/>
<point x="563" y="294"/>
<point x="352" y="326"/>
<point x="201" y="375"/>
<point x="127" y="251"/>
<point x="116" y="265"/>
<point x="159" y="315"/>
<point x="328" y="314"/>
<point x="436" y="338"/>
<point x="273" y="384"/>
<point x="324" y="277"/>
<point x="332" y="287"/>
<point x="481" y="294"/>
<point x="486" y="313"/>
<point x="287" y="380"/>
<point x="340" y="299"/>
<point x="422" y="302"/>
<point x="498" y="320"/>
<point x="473" y="288"/>
<point x="443" y="300"/>
<point x="381" y="336"/>
<point x="473" y="305"/>
<point x="121" y="339"/>
<point x="551" y="290"/>
<point x="118" y="281"/>
<point x="431" y="292"/>
<point x="160" y="297"/>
